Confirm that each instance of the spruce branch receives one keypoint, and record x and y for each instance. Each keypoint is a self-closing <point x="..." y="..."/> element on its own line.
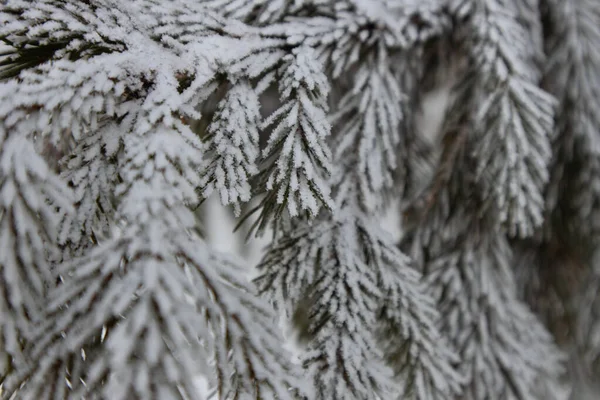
<point x="297" y="160"/>
<point x="455" y="133"/>
<point x="92" y="172"/>
<point x="368" y="123"/>
<point x="572" y="76"/>
<point x="574" y="193"/>
<point x="514" y="115"/>
<point x="30" y="195"/>
<point x="341" y="357"/>
<point x="149" y="276"/>
<point x="154" y="351"/>
<point x="56" y="29"/>
<point x="139" y="306"/>
<point x="265" y="12"/>
<point x="350" y="31"/>
<point x="587" y="322"/>
<point x="363" y="292"/>
<point x="232" y="142"/>
<point x="466" y="261"/>
<point x="95" y="88"/>
<point x="422" y="359"/>
<point x="550" y="278"/>
<point x="516" y="155"/>
<point x="506" y="353"/>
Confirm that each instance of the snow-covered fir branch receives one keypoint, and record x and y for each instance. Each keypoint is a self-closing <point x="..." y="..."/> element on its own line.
<point x="166" y="291"/>
<point x="43" y="31"/>
<point x="27" y="233"/>
<point x="514" y="118"/>
<point x="345" y="276"/>
<point x="118" y="119"/>
<point x="572" y="75"/>
<point x="466" y="260"/>
<point x="233" y="139"/>
<point x="297" y="158"/>
<point x="372" y="114"/>
<point x="92" y="172"/>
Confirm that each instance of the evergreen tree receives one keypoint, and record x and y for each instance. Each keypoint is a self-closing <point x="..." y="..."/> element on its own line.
<point x="118" y="119"/>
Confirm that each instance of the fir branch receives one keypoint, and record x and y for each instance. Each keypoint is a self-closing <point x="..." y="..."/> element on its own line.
<point x="143" y="271"/>
<point x="265" y="12"/>
<point x="587" y="323"/>
<point x="361" y="290"/>
<point x="351" y="32"/>
<point x="139" y="306"/>
<point x="232" y="141"/>
<point x="56" y="29"/>
<point x="95" y="88"/>
<point x="91" y="171"/>
<point x="514" y="115"/>
<point x="30" y="195"/>
<point x="574" y="194"/>
<point x="572" y="76"/>
<point x="296" y="161"/>
<point x="423" y="361"/>
<point x="453" y="143"/>
<point x="368" y="123"/>
<point x="153" y="352"/>
<point x="550" y="278"/>
<point x="506" y="353"/>
<point x="341" y="357"/>
<point x="466" y="262"/>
